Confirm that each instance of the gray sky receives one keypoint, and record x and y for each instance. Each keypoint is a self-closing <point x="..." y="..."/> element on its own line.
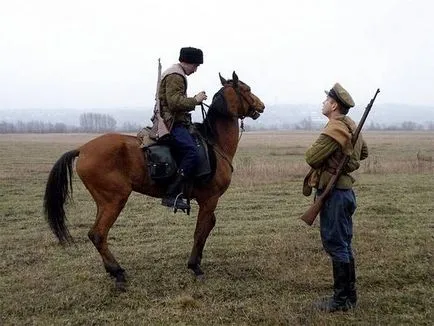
<point x="103" y="53"/>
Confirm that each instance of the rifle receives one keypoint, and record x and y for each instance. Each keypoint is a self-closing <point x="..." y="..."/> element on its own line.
<point x="158" y="79"/>
<point x="159" y="128"/>
<point x="310" y="215"/>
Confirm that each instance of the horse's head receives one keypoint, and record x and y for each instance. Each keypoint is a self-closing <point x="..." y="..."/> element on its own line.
<point x="235" y="99"/>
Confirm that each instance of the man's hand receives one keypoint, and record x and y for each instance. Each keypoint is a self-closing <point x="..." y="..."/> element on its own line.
<point x="200" y="97"/>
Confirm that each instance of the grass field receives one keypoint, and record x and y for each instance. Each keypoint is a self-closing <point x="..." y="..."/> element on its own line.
<point x="263" y="265"/>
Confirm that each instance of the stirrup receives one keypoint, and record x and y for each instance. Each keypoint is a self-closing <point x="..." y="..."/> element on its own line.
<point x="178" y="200"/>
<point x="176" y="203"/>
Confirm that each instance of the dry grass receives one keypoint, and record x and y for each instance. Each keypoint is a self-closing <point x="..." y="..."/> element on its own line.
<point x="262" y="265"/>
<point x="272" y="157"/>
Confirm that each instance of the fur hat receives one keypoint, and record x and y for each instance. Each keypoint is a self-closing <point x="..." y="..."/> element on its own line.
<point x="191" y="55"/>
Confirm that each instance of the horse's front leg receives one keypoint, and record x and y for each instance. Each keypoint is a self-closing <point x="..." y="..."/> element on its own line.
<point x="205" y="222"/>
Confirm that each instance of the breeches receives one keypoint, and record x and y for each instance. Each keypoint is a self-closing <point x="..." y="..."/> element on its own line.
<point x="185" y="149"/>
<point x="336" y="224"/>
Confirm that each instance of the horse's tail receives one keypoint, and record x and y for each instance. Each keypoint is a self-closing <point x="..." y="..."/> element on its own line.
<point x="56" y="194"/>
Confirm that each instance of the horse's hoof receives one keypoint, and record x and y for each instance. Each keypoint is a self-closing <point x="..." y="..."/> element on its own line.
<point x="121" y="286"/>
<point x="121" y="282"/>
<point x="200" y="278"/>
<point x="197" y="271"/>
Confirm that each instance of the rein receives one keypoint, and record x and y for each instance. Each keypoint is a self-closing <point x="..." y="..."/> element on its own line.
<point x="204" y="114"/>
<point x="251" y="109"/>
<point x="218" y="151"/>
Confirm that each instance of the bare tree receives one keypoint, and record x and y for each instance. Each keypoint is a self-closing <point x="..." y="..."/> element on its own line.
<point x="96" y="122"/>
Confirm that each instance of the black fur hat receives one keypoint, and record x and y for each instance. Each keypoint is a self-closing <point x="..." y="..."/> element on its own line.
<point x="191" y="55"/>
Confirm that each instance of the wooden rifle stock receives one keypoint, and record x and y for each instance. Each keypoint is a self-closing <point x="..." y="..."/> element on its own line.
<point x="310" y="215"/>
<point x="159" y="128"/>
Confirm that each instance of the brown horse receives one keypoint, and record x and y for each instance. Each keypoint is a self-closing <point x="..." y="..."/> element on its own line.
<point x="113" y="165"/>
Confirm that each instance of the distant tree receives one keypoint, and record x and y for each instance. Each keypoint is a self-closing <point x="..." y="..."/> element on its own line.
<point x="37" y="127"/>
<point x="60" y="128"/>
<point x="130" y="127"/>
<point x="20" y="127"/>
<point x="410" y="125"/>
<point x="7" y="128"/>
<point x="96" y="122"/>
<point x="305" y="124"/>
<point x="286" y="126"/>
<point x="373" y="126"/>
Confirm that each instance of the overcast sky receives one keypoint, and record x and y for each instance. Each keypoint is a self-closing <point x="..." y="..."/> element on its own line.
<point x="102" y="53"/>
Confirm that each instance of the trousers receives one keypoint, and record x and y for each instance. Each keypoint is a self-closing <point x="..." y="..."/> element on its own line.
<point x="185" y="149"/>
<point x="336" y="224"/>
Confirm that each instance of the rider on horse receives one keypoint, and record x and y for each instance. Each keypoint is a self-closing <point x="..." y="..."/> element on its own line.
<point x="175" y="107"/>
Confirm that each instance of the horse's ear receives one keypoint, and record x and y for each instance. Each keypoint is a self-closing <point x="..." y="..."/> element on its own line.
<point x="222" y="80"/>
<point x="235" y="79"/>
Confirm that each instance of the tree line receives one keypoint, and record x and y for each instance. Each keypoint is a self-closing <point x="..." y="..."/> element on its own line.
<point x="101" y="123"/>
<point x="309" y="124"/>
<point x="88" y="123"/>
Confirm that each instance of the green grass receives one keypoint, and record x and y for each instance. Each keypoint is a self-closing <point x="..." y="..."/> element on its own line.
<point x="263" y="265"/>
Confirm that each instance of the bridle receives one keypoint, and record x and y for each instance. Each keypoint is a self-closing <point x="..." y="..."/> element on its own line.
<point x="220" y="105"/>
<point x="251" y="112"/>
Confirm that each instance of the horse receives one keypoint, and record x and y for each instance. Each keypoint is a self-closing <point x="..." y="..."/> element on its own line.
<point x="113" y="165"/>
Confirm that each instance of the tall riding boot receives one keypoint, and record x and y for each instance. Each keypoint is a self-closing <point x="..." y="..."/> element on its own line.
<point x="339" y="300"/>
<point x="352" y="293"/>
<point x="173" y="197"/>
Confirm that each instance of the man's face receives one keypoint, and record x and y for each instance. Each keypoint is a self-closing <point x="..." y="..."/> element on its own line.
<point x="328" y="106"/>
<point x="191" y="68"/>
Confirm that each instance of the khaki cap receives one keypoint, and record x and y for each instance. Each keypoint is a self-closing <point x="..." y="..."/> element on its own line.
<point x="340" y="95"/>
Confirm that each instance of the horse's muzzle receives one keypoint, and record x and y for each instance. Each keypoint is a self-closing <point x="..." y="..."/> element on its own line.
<point x="255" y="115"/>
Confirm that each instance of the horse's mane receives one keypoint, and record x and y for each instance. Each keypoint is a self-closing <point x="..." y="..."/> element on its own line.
<point x="217" y="110"/>
<point x="207" y="128"/>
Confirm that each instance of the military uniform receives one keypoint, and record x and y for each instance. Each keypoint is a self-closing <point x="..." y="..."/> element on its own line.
<point x="175" y="109"/>
<point x="174" y="103"/>
<point x="336" y="224"/>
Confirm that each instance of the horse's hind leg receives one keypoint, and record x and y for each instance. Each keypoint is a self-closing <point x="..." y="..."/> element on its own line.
<point x="205" y="223"/>
<point x="106" y="216"/>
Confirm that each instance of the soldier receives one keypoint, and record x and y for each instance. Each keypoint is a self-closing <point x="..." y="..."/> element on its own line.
<point x="336" y="225"/>
<point x="175" y="107"/>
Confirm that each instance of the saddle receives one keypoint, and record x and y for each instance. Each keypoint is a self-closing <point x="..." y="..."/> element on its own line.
<point x="162" y="164"/>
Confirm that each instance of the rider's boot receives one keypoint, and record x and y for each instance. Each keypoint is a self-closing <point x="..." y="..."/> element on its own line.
<point x="174" y="198"/>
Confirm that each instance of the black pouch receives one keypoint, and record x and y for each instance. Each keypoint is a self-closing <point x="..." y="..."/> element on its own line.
<point x="161" y="164"/>
<point x="204" y="167"/>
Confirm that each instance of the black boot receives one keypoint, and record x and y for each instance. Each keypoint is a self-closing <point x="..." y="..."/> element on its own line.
<point x="352" y="293"/>
<point x="339" y="300"/>
<point x="173" y="197"/>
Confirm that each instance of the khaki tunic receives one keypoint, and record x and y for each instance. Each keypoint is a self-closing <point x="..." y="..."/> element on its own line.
<point x="174" y="103"/>
<point x="326" y="152"/>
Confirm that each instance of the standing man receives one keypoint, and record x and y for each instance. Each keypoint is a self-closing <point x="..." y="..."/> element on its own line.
<point x="336" y="222"/>
<point x="175" y="109"/>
